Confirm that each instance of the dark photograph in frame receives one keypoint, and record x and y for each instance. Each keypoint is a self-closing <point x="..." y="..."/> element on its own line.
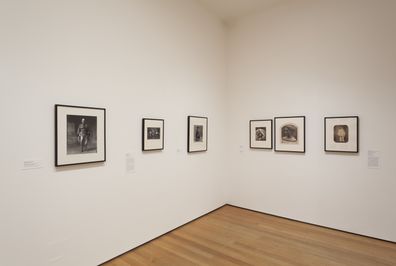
<point x="197" y="134"/>
<point x="80" y="135"/>
<point x="260" y="134"/>
<point x="289" y="134"/>
<point x="341" y="134"/>
<point x="152" y="134"/>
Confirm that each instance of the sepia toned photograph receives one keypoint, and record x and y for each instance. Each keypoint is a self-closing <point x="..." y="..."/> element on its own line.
<point x="152" y="134"/>
<point x="261" y="134"/>
<point x="341" y="134"/>
<point x="197" y="134"/>
<point x="80" y="134"/>
<point x="290" y="134"/>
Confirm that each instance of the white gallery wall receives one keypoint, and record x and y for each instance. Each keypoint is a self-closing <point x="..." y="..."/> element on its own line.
<point x="136" y="58"/>
<point x="170" y="59"/>
<point x="316" y="58"/>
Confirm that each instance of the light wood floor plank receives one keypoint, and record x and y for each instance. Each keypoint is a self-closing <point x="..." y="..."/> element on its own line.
<point x="236" y="237"/>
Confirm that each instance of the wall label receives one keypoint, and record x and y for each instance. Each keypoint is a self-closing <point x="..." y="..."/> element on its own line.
<point x="32" y="164"/>
<point x="373" y="159"/>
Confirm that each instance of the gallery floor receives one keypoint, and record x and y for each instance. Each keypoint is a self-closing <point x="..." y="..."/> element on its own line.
<point x="235" y="236"/>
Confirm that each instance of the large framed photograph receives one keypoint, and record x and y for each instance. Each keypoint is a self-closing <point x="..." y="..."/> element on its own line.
<point x="80" y="135"/>
<point x="341" y="134"/>
<point x="290" y="134"/>
<point x="197" y="136"/>
<point x="261" y="134"/>
<point x="152" y="134"/>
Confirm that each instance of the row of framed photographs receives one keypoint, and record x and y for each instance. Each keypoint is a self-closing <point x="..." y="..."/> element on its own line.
<point x="341" y="134"/>
<point x="80" y="134"/>
<point x="197" y="134"/>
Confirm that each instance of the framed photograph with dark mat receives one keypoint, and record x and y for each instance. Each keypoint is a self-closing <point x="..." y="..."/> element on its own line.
<point x="152" y="134"/>
<point x="80" y="135"/>
<point x="341" y="134"/>
<point x="197" y="136"/>
<point x="290" y="134"/>
<point x="261" y="134"/>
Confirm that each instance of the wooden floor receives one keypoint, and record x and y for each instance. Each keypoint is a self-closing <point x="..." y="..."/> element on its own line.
<point x="234" y="236"/>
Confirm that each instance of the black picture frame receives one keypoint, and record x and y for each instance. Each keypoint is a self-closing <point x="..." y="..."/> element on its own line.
<point x="155" y="145"/>
<point x="192" y="145"/>
<point x="289" y="146"/>
<point x="66" y="153"/>
<point x="269" y="142"/>
<point x="350" y="143"/>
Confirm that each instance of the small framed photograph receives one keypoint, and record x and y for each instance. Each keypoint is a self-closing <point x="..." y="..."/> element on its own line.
<point x="80" y="135"/>
<point x="261" y="134"/>
<point x="290" y="134"/>
<point x="152" y="134"/>
<point x="197" y="136"/>
<point x="341" y="134"/>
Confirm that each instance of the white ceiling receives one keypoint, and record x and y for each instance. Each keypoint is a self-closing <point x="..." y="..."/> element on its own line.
<point x="229" y="10"/>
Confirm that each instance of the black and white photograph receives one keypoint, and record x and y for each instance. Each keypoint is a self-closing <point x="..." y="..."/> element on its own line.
<point x="80" y="135"/>
<point x="152" y="134"/>
<point x="342" y="134"/>
<point x="290" y="134"/>
<point x="197" y="135"/>
<point x="261" y="134"/>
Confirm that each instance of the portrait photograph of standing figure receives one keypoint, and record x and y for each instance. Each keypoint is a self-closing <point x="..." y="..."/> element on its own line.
<point x="197" y="134"/>
<point x="341" y="134"/>
<point x="80" y="135"/>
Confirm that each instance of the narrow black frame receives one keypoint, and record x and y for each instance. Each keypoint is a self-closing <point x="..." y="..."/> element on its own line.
<point x="56" y="134"/>
<point x="143" y="133"/>
<point x="282" y="117"/>
<point x="357" y="133"/>
<point x="250" y="134"/>
<point x="188" y="133"/>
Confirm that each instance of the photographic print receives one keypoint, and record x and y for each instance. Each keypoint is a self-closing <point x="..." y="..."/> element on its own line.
<point x="79" y="135"/>
<point x="261" y="134"/>
<point x="152" y="134"/>
<point x="342" y="134"/>
<point x="198" y="133"/>
<point x="290" y="134"/>
<point x="197" y="136"/>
